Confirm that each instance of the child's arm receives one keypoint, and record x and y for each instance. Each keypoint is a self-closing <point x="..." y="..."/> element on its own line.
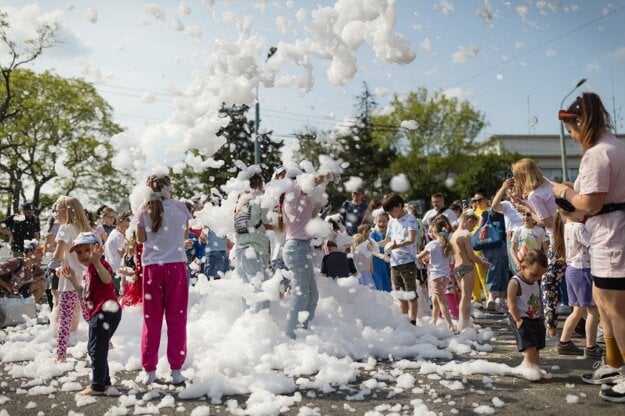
<point x="96" y="256"/>
<point x="582" y="235"/>
<point x="513" y="253"/>
<point x="513" y="290"/>
<point x="412" y="236"/>
<point x="468" y="248"/>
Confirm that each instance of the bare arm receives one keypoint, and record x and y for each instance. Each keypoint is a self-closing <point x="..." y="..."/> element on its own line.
<point x="513" y="290"/>
<point x="496" y="203"/>
<point x="142" y="236"/>
<point x="412" y="236"/>
<point x="59" y="251"/>
<point x="589" y="203"/>
<point x="468" y="249"/>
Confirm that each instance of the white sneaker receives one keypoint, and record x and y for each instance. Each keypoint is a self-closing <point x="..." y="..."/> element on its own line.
<point x="615" y="393"/>
<point x="603" y="374"/>
<point x="563" y="309"/>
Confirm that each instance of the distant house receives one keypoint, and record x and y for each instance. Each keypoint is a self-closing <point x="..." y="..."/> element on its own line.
<point x="544" y="149"/>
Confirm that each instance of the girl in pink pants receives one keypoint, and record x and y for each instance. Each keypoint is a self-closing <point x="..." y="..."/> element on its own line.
<point x="162" y="225"/>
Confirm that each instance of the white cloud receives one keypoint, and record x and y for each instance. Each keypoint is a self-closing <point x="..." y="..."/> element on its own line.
<point x="454" y="92"/>
<point x="426" y="45"/>
<point x="618" y="53"/>
<point x="463" y="54"/>
<point x="592" y="66"/>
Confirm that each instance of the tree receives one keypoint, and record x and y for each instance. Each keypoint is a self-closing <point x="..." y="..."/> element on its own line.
<point x="57" y="126"/>
<point x="19" y="55"/>
<point x="238" y="151"/>
<point x="435" y="137"/>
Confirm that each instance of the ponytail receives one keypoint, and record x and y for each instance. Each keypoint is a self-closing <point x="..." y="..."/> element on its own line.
<point x="161" y="190"/>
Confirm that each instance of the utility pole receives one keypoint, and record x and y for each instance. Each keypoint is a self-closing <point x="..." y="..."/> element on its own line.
<point x="272" y="51"/>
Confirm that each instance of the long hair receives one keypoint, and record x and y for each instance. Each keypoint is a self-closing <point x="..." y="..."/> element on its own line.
<point x="74" y="213"/>
<point x="160" y="185"/>
<point x="592" y="118"/>
<point x="559" y="246"/>
<point x="527" y="176"/>
<point x="440" y="226"/>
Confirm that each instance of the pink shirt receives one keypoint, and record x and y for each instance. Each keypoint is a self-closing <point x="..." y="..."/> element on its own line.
<point x="543" y="203"/>
<point x="602" y="170"/>
<point x="297" y="210"/>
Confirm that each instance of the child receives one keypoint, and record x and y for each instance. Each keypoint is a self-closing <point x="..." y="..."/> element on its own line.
<point x="525" y="312"/>
<point x="439" y="250"/>
<point x="571" y="241"/>
<point x="336" y="264"/>
<point x="526" y="238"/>
<point x="381" y="267"/>
<point x="361" y="252"/>
<point x="400" y="242"/>
<point x="99" y="307"/>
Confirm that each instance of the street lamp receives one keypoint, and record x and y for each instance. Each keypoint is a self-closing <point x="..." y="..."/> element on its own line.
<point x="271" y="53"/>
<point x="565" y="175"/>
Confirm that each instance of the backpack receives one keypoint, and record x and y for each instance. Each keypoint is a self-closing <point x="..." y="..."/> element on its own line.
<point x="242" y="220"/>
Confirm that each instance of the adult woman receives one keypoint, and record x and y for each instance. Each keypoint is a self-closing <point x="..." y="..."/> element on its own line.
<point x="531" y="184"/>
<point x="599" y="192"/>
<point x="162" y="225"/>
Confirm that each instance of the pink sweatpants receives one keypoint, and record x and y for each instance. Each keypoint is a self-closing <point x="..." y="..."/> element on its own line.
<point x="165" y="291"/>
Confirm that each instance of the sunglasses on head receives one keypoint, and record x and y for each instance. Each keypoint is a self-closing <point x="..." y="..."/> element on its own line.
<point x="563" y="115"/>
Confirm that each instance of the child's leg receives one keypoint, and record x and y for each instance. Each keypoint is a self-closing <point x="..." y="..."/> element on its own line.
<point x="67" y="300"/>
<point x="435" y="310"/>
<point x="592" y="322"/>
<point x="550" y="286"/>
<point x="403" y="306"/>
<point x="466" y="284"/>
<point x="101" y="329"/>
<point x="531" y="357"/>
<point x="153" y="288"/>
<point x="176" y="299"/>
<point x="571" y="322"/>
<point x="413" y="307"/>
<point x="444" y="308"/>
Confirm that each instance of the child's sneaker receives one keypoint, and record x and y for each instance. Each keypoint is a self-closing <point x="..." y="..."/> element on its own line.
<point x="177" y="378"/>
<point x="569" y="348"/>
<point x="595" y="352"/>
<point x="615" y="393"/>
<point x="603" y="374"/>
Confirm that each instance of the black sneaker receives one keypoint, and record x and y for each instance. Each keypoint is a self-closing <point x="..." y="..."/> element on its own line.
<point x="569" y="348"/>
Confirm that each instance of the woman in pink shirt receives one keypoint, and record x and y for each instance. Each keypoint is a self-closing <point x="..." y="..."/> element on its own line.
<point x="599" y="191"/>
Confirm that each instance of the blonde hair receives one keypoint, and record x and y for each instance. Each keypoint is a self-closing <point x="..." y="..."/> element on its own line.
<point x="356" y="240"/>
<point x="527" y="176"/>
<point x="74" y="213"/>
<point x="158" y="184"/>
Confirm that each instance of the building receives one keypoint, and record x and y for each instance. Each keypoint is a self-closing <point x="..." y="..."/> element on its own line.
<point x="544" y="149"/>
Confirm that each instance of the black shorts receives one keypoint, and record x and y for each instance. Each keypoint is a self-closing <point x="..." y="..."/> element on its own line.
<point x="610" y="283"/>
<point x="532" y="333"/>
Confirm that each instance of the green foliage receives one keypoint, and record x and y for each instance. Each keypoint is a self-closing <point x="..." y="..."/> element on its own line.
<point x="63" y="121"/>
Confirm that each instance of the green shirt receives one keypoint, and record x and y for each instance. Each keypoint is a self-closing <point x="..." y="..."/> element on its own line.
<point x="256" y="237"/>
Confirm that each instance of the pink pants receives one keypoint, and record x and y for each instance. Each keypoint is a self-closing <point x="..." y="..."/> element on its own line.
<point x="67" y="303"/>
<point x="165" y="291"/>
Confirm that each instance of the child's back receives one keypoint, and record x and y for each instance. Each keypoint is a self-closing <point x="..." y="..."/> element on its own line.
<point x="337" y="264"/>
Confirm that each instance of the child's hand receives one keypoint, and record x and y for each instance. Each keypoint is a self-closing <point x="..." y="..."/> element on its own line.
<point x="96" y="253"/>
<point x="67" y="273"/>
<point x="188" y="243"/>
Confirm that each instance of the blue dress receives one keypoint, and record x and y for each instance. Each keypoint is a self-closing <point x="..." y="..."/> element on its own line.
<point x="381" y="269"/>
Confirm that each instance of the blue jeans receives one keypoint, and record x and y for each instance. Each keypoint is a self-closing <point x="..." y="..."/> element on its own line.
<point x="248" y="269"/>
<point x="217" y="261"/>
<point x="101" y="329"/>
<point x="297" y="256"/>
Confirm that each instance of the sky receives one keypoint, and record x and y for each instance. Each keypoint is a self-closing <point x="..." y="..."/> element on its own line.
<point x="165" y="66"/>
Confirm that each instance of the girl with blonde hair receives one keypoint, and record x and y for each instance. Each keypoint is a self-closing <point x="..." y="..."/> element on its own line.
<point x="72" y="221"/>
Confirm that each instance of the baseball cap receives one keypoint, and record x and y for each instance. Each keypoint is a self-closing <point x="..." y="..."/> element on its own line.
<point x="85" y="238"/>
<point x="27" y="206"/>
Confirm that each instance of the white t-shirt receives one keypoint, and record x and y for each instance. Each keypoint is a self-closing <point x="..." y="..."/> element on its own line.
<point x="577" y="242"/>
<point x="529" y="239"/>
<point x="439" y="262"/>
<point x="602" y="170"/>
<point x="68" y="233"/>
<point x="166" y="245"/>
<point x="511" y="216"/>
<point x="114" y="244"/>
<point x="397" y="231"/>
<point x="429" y="216"/>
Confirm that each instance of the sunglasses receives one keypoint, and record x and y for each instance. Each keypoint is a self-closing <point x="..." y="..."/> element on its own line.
<point x="527" y="215"/>
<point x="478" y="199"/>
<point x="563" y="115"/>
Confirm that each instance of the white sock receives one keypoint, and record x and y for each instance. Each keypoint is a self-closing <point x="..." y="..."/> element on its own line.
<point x="177" y="377"/>
<point x="151" y="377"/>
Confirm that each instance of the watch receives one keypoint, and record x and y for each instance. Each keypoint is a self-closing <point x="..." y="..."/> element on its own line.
<point x="563" y="193"/>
